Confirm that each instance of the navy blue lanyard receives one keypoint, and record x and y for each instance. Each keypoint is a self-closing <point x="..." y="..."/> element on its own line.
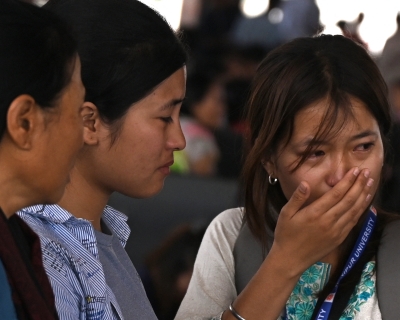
<point x="358" y="249"/>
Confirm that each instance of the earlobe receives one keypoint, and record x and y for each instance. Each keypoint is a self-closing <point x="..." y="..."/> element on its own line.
<point x="24" y="116"/>
<point x="91" y="123"/>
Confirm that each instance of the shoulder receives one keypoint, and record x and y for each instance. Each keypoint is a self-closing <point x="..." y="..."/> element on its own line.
<point x="62" y="236"/>
<point x="225" y="227"/>
<point x="388" y="261"/>
<point x="219" y="239"/>
<point x="212" y="286"/>
<point x="48" y="222"/>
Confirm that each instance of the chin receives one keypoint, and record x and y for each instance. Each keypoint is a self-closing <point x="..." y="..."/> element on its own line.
<point x="144" y="193"/>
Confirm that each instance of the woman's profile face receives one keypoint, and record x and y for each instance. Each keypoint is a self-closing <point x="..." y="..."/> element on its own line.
<point x="138" y="162"/>
<point x="357" y="144"/>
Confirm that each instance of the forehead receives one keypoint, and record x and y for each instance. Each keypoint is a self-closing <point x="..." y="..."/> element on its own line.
<point x="171" y="88"/>
<point x="318" y="119"/>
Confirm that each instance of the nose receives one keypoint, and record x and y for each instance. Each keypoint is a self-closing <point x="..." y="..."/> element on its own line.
<point x="176" y="139"/>
<point x="338" y="168"/>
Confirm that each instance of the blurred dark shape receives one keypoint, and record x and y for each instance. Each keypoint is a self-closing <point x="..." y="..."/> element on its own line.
<point x="350" y="29"/>
<point x="169" y="269"/>
<point x="230" y="138"/>
<point x="300" y="19"/>
<point x="389" y="197"/>
<point x="241" y="62"/>
<point x="389" y="64"/>
<point x="237" y="92"/>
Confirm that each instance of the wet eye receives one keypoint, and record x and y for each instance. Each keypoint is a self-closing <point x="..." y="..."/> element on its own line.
<point x="364" y="146"/>
<point x="316" y="154"/>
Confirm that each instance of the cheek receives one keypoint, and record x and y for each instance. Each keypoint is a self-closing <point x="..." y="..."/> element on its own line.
<point x="288" y="183"/>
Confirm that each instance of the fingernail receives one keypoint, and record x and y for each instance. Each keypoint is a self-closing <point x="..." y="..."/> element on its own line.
<point x="302" y="188"/>
<point x="370" y="182"/>
<point x="368" y="197"/>
<point x="356" y="171"/>
<point x="366" y="173"/>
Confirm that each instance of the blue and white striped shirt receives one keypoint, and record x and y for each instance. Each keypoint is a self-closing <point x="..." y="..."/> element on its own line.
<point x="71" y="260"/>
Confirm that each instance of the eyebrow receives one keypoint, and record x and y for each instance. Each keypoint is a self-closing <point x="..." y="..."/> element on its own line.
<point x="360" y="135"/>
<point x="172" y="103"/>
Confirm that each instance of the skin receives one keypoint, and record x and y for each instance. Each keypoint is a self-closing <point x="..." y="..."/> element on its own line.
<point x="327" y="196"/>
<point x="358" y="144"/>
<point x="137" y="162"/>
<point x="39" y="147"/>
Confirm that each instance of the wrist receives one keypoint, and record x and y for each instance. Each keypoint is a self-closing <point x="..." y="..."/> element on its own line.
<point x="285" y="265"/>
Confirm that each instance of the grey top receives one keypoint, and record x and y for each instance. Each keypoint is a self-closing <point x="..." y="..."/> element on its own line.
<point x="122" y="277"/>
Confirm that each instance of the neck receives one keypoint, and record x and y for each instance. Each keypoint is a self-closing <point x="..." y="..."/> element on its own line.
<point x="14" y="193"/>
<point x="83" y="198"/>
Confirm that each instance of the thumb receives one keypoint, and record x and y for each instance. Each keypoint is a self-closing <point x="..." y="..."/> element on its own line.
<point x="297" y="200"/>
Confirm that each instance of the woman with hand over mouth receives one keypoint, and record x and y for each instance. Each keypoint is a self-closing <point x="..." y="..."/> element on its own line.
<point x="305" y="245"/>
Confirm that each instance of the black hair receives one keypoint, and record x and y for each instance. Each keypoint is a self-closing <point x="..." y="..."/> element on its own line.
<point x="126" y="50"/>
<point x="37" y="55"/>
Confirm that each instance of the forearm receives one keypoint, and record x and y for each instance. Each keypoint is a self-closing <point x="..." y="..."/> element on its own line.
<point x="266" y="294"/>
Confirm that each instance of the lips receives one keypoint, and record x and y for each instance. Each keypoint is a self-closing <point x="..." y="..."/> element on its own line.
<point x="168" y="164"/>
<point x="165" y="168"/>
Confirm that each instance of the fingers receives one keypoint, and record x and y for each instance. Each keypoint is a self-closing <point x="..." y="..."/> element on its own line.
<point x="353" y="181"/>
<point x="353" y="212"/>
<point x="297" y="200"/>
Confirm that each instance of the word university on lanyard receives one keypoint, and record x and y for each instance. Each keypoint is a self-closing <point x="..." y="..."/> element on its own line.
<point x="358" y="249"/>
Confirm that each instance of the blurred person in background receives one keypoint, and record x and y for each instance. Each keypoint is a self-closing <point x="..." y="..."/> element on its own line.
<point x="300" y="18"/>
<point x="169" y="269"/>
<point x="231" y="137"/>
<point x="41" y="95"/>
<point x="133" y="67"/>
<point x="389" y="63"/>
<point x="203" y="111"/>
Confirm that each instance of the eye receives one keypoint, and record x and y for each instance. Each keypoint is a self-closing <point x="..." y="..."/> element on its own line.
<point x="364" y="146"/>
<point x="166" y="119"/>
<point x="316" y="154"/>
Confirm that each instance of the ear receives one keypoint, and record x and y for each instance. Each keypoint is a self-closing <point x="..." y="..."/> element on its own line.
<point x="269" y="167"/>
<point x="24" y="117"/>
<point x="91" y="123"/>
